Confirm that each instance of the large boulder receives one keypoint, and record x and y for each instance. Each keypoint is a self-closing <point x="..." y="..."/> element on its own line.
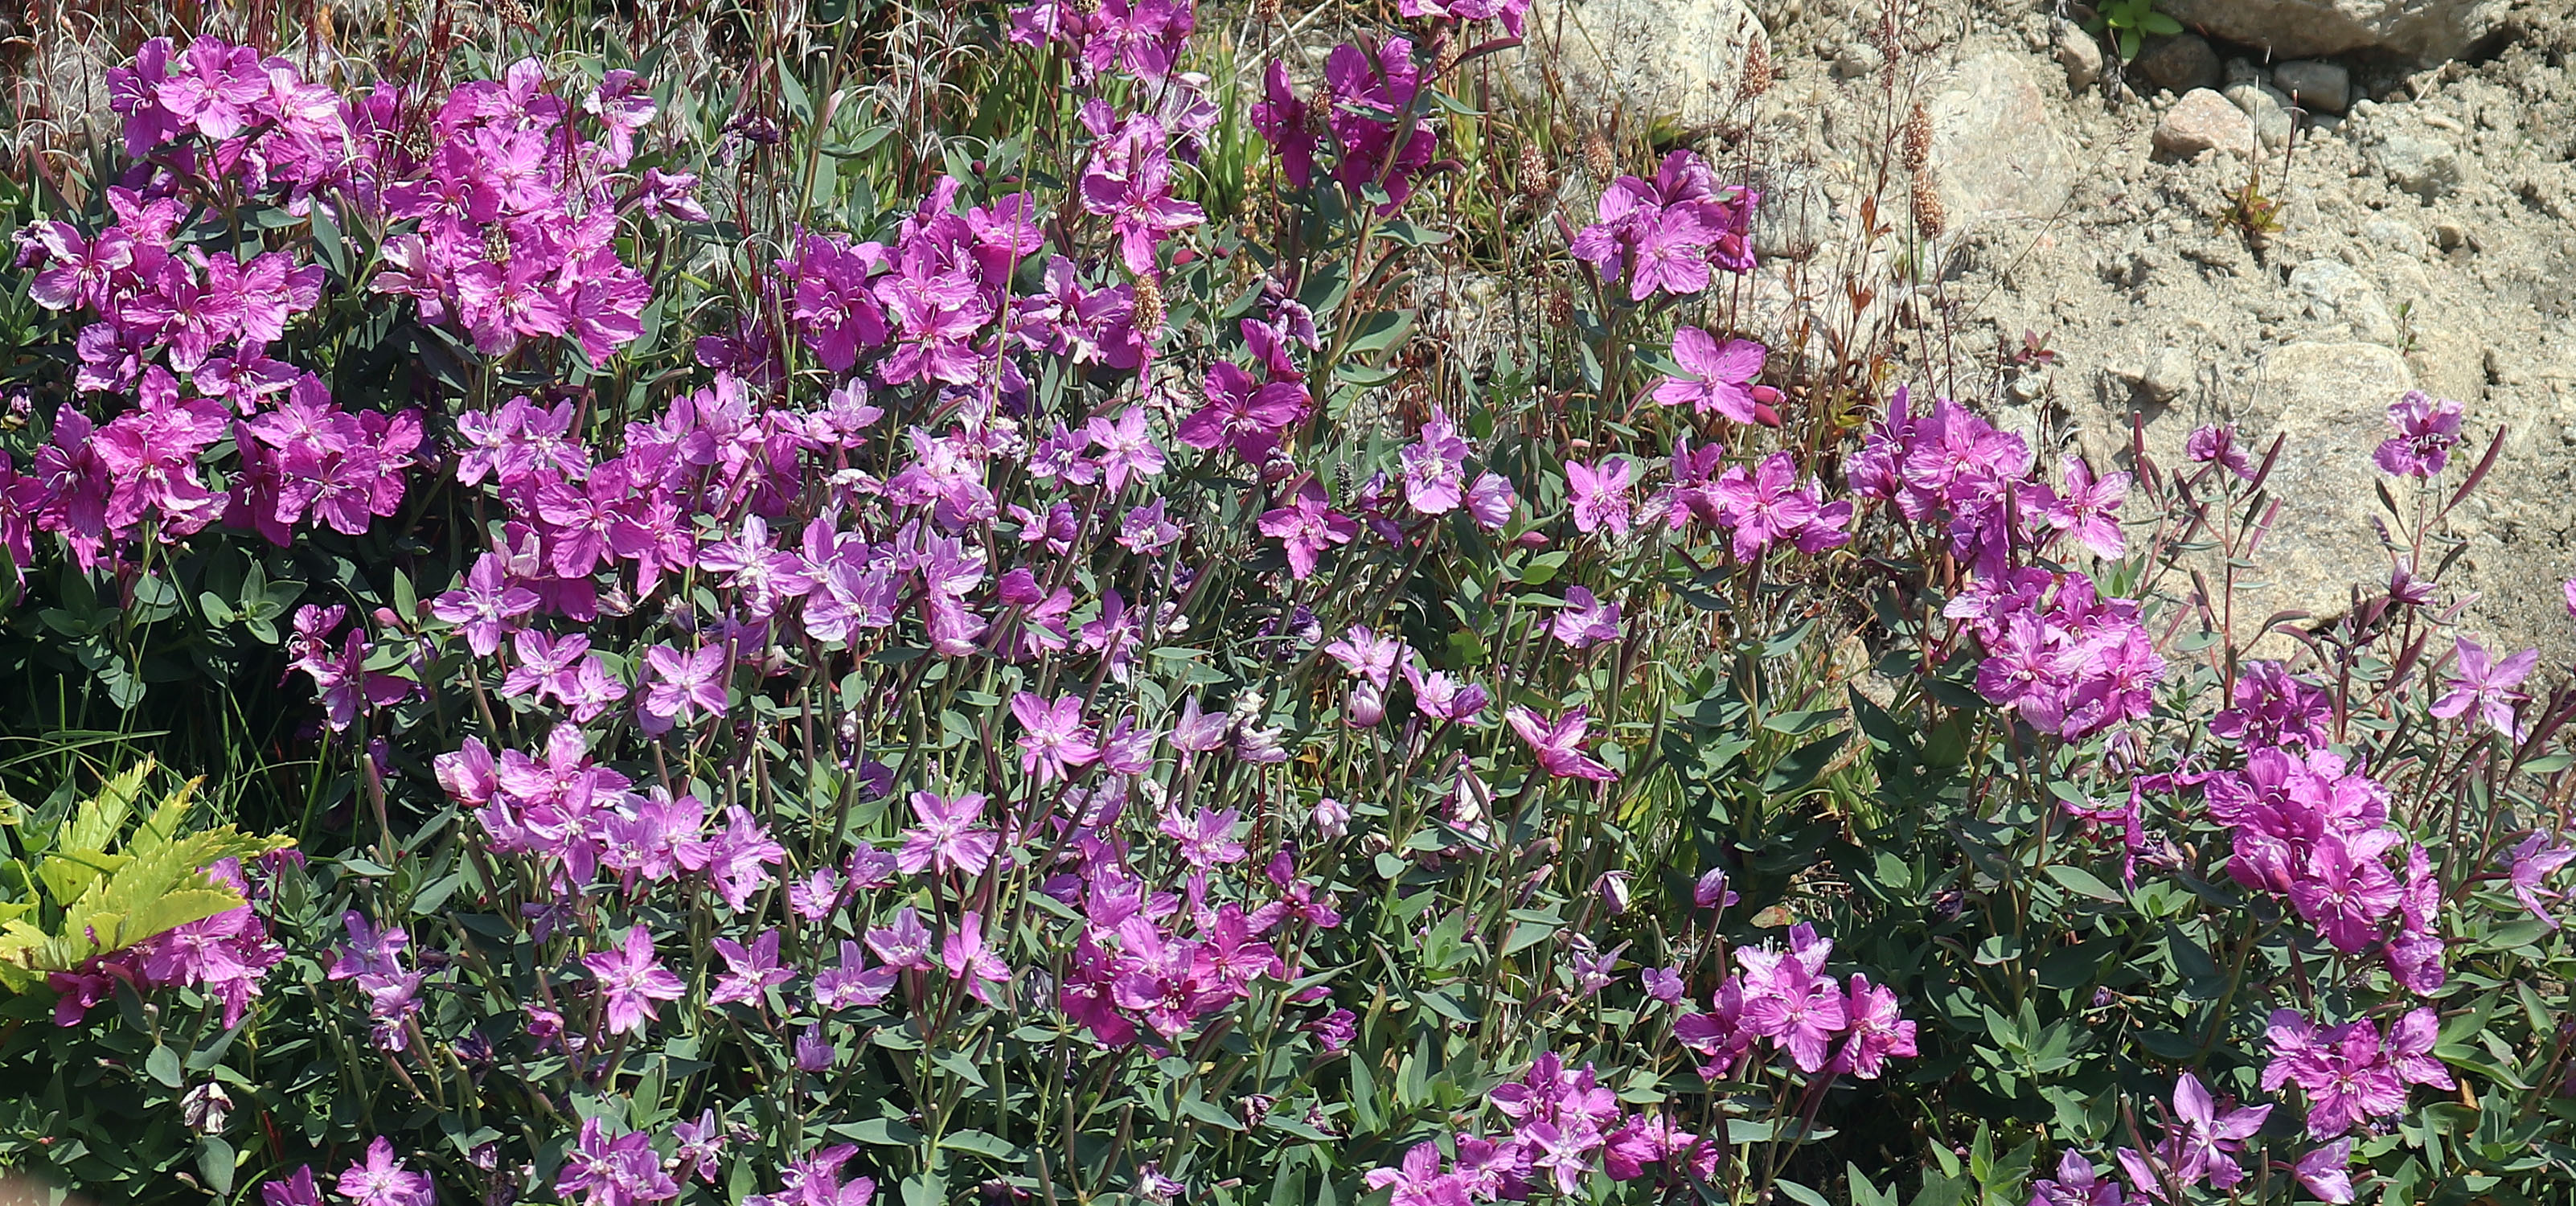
<point x="1995" y="153"/>
<point x="1675" y="61"/>
<point x="2329" y="402"/>
<point x="2428" y="31"/>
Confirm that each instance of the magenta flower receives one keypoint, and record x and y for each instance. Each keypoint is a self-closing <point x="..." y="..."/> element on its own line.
<point x="2427" y="430"/>
<point x="1242" y="414"/>
<point x="1206" y="837"/>
<point x="1559" y="744"/>
<point x="1443" y="697"/>
<point x="1127" y="449"/>
<point x="297" y="1190"/>
<point x="950" y="838"/>
<point x="486" y="606"/>
<point x="964" y="953"/>
<point x="749" y="971"/>
<point x="381" y="1180"/>
<point x="853" y="983"/>
<point x="2088" y="510"/>
<point x="1720" y="379"/>
<point x="1585" y="621"/>
<point x="2326" y="1171"/>
<point x="1599" y="494"/>
<point x="2076" y="1184"/>
<point x="2535" y="858"/>
<point x="1057" y="741"/>
<point x="1435" y="467"/>
<point x="631" y="980"/>
<point x="613" y="1172"/>
<point x="684" y="686"/>
<point x="1307" y="526"/>
<point x="2491" y="687"/>
<point x="1419" y="1181"/>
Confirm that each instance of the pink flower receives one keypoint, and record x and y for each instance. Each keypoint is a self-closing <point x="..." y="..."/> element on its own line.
<point x="1599" y="495"/>
<point x="630" y="981"/>
<point x="1559" y="743"/>
<point x="2487" y="685"/>
<point x="2326" y="1171"/>
<point x="1307" y="526"/>
<point x="1720" y="379"/>
<point x="685" y="685"/>
<point x="485" y="607"/>
<point x="853" y="983"/>
<point x="381" y="1180"/>
<point x="2089" y="509"/>
<point x="967" y="958"/>
<point x="2427" y="430"/>
<point x="1585" y="621"/>
<point x="2535" y="858"/>
<point x="749" y="970"/>
<point x="950" y="837"/>
<point x="1057" y="741"/>
<point x="1419" y="1181"/>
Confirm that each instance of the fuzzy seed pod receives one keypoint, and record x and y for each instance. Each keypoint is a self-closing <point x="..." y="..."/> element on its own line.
<point x="1560" y="308"/>
<point x="1265" y="12"/>
<point x="1918" y="138"/>
<point x="1444" y="54"/>
<point x="1149" y="306"/>
<point x="1757" y="71"/>
<point x="1597" y="157"/>
<point x="1538" y="180"/>
<point x="1928" y="216"/>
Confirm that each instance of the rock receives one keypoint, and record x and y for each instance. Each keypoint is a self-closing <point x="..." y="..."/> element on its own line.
<point x="1857" y="60"/>
<point x="2449" y="234"/>
<point x="1795" y="216"/>
<point x="2338" y="296"/>
<point x="2421" y="164"/>
<point x="2319" y="87"/>
<point x="1680" y="61"/>
<point x="2080" y="55"/>
<point x="2180" y="63"/>
<point x="1994" y="151"/>
<point x="2329" y="402"/>
<point x="2201" y="121"/>
<point x="2270" y="111"/>
<point x="2427" y="31"/>
<point x="2167" y="374"/>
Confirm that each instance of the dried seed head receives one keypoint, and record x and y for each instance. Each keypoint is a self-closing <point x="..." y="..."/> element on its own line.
<point x="1265" y="11"/>
<point x="1538" y="180"/>
<point x="1149" y="306"/>
<point x="1918" y="138"/>
<point x="1560" y="307"/>
<point x="1597" y="158"/>
<point x="1757" y="71"/>
<point x="1928" y="216"/>
<point x="1444" y="53"/>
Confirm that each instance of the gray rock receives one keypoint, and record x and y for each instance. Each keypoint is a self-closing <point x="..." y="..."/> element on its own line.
<point x="2270" y="111"/>
<point x="2167" y="374"/>
<point x="2319" y="87"/>
<point x="2203" y="120"/>
<point x="2329" y="401"/>
<point x="2180" y="63"/>
<point x="1994" y="151"/>
<point x="1680" y="61"/>
<point x="2342" y="298"/>
<point x="2421" y="164"/>
<point x="1795" y="216"/>
<point x="2428" y="31"/>
<point x="1857" y="60"/>
<point x="2080" y="55"/>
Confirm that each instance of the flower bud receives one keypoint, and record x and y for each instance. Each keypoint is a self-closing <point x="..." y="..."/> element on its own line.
<point x="1711" y="892"/>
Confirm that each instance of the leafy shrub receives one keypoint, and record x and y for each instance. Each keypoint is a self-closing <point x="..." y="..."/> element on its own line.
<point x="841" y="645"/>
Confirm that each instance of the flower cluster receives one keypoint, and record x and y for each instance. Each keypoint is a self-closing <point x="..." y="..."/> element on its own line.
<point x="1373" y="115"/>
<point x="1783" y="999"/>
<point x="225" y="956"/>
<point x="1565" y="1126"/>
<point x="2353" y="1073"/>
<point x="1668" y="234"/>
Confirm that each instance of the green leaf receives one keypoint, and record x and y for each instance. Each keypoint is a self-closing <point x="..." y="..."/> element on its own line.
<point x="1800" y="1193"/>
<point x="2162" y="25"/>
<point x="982" y="1143"/>
<point x="2083" y="883"/>
<point x="163" y="1064"/>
